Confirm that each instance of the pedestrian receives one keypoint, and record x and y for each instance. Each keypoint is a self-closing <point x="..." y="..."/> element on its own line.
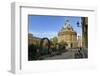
<point x="78" y="54"/>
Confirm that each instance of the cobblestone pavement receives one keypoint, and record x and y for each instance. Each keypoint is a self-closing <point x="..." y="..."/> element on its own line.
<point x="66" y="55"/>
<point x="70" y="54"/>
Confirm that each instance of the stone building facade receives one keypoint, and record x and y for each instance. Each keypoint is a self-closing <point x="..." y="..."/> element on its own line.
<point x="68" y="36"/>
<point x="79" y="40"/>
<point x="33" y="40"/>
<point x="84" y="32"/>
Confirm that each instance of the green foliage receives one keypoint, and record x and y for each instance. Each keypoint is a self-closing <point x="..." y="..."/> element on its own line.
<point x="32" y="54"/>
<point x="54" y="40"/>
<point x="62" y="45"/>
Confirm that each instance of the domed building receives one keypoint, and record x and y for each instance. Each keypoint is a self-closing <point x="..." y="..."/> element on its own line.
<point x="68" y="36"/>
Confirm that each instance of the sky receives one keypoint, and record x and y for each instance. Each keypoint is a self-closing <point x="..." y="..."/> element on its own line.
<point x="49" y="26"/>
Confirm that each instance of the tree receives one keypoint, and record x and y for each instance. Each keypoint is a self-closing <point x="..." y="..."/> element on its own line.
<point x="54" y="40"/>
<point x="62" y="45"/>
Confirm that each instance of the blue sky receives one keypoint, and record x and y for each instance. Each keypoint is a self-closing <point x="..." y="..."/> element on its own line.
<point x="49" y="26"/>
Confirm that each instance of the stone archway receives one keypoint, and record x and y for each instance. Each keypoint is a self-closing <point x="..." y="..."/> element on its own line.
<point x="46" y="47"/>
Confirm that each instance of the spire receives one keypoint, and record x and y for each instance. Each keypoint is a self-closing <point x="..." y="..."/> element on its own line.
<point x="66" y="24"/>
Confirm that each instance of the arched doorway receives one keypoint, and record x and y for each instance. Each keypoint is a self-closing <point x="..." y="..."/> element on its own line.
<point x="45" y="45"/>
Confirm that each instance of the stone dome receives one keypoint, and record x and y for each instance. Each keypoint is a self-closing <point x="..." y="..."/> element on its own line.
<point x="67" y="29"/>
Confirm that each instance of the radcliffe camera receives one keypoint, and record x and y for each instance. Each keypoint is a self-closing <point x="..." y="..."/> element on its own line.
<point x="57" y="37"/>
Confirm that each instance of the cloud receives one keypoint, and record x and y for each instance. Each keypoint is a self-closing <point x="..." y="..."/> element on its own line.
<point x="44" y="34"/>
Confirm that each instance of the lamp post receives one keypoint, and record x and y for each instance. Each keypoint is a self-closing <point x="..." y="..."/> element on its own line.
<point x="79" y="24"/>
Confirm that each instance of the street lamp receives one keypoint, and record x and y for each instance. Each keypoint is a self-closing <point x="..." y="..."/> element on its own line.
<point x="79" y="24"/>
